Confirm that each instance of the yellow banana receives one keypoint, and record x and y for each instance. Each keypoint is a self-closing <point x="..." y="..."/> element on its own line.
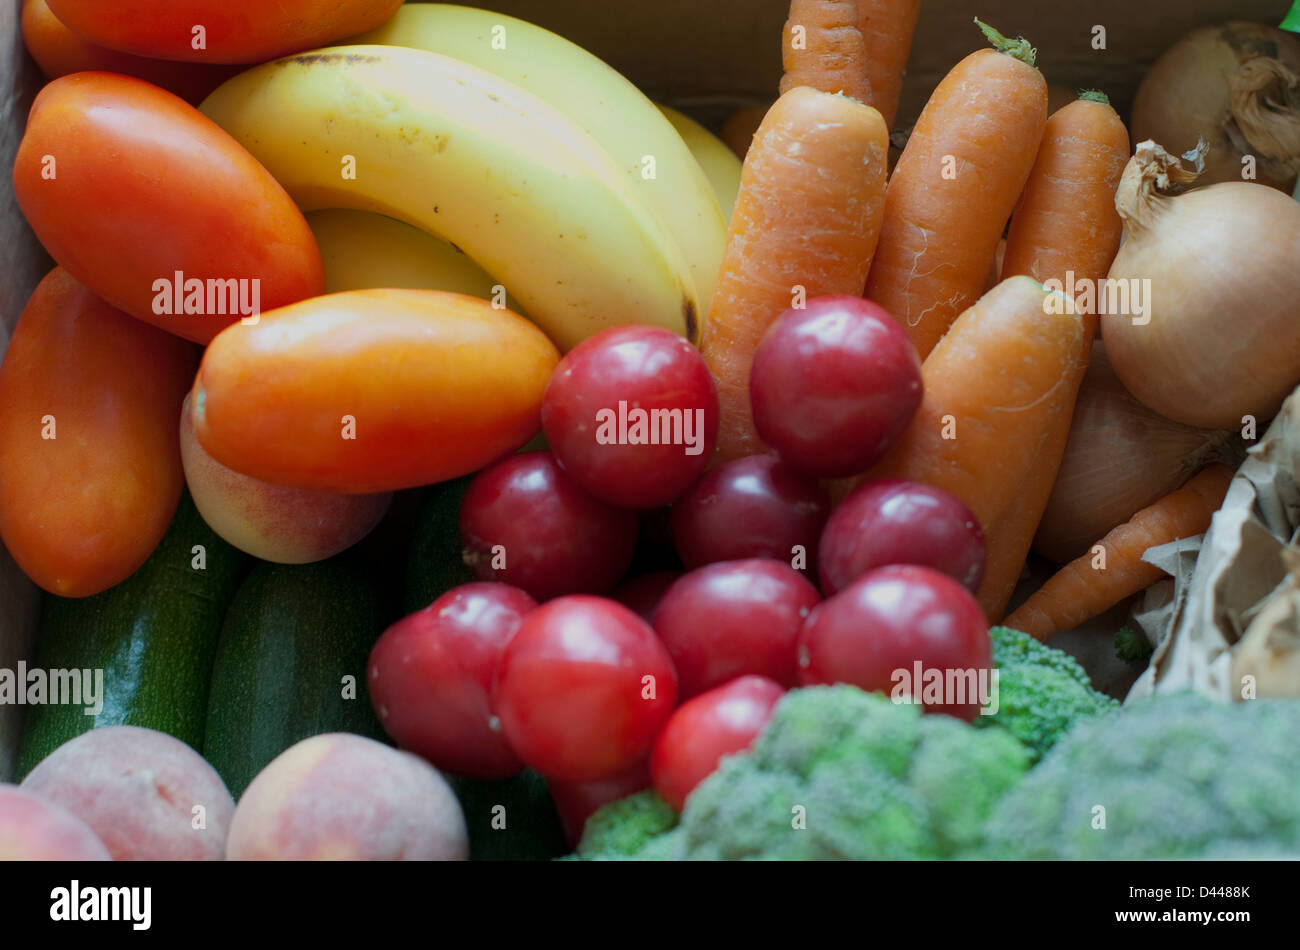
<point x="595" y="96"/>
<point x="475" y="160"/>
<point x="364" y="251"/>
<point x="720" y="164"/>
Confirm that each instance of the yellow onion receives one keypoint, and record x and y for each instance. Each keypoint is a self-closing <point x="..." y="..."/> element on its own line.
<point x="1237" y="86"/>
<point x="1120" y="458"/>
<point x="1210" y="332"/>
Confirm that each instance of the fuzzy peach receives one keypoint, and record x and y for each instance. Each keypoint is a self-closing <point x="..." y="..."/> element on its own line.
<point x="32" y="829"/>
<point x="274" y="522"/>
<point x="343" y="797"/>
<point x="148" y="796"/>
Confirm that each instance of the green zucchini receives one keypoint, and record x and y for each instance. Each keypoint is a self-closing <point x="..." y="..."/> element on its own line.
<point x="435" y="565"/>
<point x="291" y="663"/>
<point x="532" y="829"/>
<point x="153" y="636"/>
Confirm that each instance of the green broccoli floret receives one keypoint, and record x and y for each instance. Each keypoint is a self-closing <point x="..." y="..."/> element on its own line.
<point x="842" y="774"/>
<point x="1042" y="691"/>
<point x="1169" y="777"/>
<point x="666" y="847"/>
<point x="1250" y="851"/>
<point x="1132" y="646"/>
<point x="623" y="827"/>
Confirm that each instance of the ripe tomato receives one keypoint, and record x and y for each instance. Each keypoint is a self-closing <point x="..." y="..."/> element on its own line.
<point x="897" y="624"/>
<point x="234" y="31"/>
<point x="577" y="801"/>
<point x="524" y="522"/>
<point x="371" y="390"/>
<point x="90" y="459"/>
<point x="583" y="688"/>
<point x="725" y="620"/>
<point x="128" y="186"/>
<point x="59" y="51"/>
<point x="890" y="521"/>
<point x="756" y="506"/>
<point x="703" y="730"/>
<point x="430" y="678"/>
<point x="834" y="385"/>
<point x="632" y="414"/>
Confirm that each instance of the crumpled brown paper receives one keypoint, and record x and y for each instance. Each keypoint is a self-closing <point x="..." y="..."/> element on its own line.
<point x="1231" y="608"/>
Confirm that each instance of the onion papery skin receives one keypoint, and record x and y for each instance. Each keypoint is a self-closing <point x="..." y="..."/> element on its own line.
<point x="1217" y="269"/>
<point x="1230" y="84"/>
<point x="1120" y="458"/>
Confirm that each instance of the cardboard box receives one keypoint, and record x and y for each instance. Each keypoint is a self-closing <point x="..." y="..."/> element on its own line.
<point x="707" y="58"/>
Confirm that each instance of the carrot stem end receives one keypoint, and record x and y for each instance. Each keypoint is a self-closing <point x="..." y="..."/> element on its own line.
<point x="1020" y="48"/>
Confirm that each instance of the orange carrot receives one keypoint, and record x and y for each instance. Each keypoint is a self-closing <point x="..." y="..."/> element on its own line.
<point x="806" y="221"/>
<point x="1065" y="232"/>
<point x="955" y="186"/>
<point x="887" y="27"/>
<point x="1065" y="227"/>
<point x="823" y="48"/>
<point x="1097" y="581"/>
<point x="995" y="389"/>
<point x="1007" y="541"/>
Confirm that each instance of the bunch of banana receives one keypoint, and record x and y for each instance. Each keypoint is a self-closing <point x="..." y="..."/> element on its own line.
<point x="363" y="251"/>
<point x="546" y="167"/>
<point x="595" y="96"/>
<point x="715" y="157"/>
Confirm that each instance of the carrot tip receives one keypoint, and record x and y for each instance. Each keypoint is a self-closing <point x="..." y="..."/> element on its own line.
<point x="1020" y="49"/>
<point x="1094" y="95"/>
